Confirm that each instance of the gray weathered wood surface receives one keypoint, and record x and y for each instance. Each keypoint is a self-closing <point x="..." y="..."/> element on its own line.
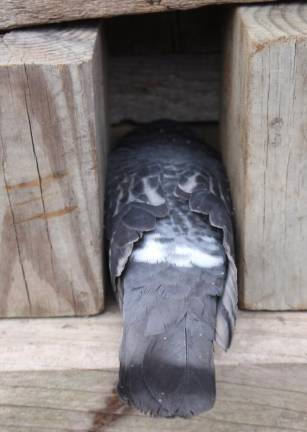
<point x="19" y="13"/>
<point x="182" y="87"/>
<point x="264" y="134"/>
<point x="173" y="73"/>
<point x="51" y="154"/>
<point x="60" y="374"/>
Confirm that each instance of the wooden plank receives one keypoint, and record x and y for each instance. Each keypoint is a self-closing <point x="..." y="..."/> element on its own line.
<point x="60" y="374"/>
<point x="52" y="156"/>
<point x="183" y="87"/>
<point x="264" y="144"/>
<point x="174" y="73"/>
<point x="252" y="399"/>
<point x="19" y="13"/>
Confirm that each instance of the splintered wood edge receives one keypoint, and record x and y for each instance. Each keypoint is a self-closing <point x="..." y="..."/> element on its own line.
<point x="261" y="338"/>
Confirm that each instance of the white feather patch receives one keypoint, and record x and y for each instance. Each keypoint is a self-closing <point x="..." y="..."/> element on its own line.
<point x="190" y="184"/>
<point x="180" y="254"/>
<point x="152" y="195"/>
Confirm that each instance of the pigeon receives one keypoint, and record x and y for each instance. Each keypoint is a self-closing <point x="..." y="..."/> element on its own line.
<point x="169" y="233"/>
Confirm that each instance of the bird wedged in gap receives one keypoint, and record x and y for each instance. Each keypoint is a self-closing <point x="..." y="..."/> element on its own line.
<point x="172" y="267"/>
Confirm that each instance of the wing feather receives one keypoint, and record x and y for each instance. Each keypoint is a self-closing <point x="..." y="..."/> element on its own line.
<point x="135" y="199"/>
<point x="207" y="190"/>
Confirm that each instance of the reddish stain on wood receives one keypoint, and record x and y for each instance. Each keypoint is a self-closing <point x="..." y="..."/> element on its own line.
<point x="114" y="410"/>
<point x="51" y="214"/>
<point x="36" y="182"/>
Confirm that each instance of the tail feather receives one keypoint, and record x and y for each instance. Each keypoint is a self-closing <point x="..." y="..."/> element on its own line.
<point x="172" y="373"/>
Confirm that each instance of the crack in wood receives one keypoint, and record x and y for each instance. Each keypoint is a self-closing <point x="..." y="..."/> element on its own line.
<point x="49" y="215"/>
<point x="266" y="47"/>
<point x="154" y="2"/>
<point x="15" y="231"/>
<point x="50" y="140"/>
<point x="38" y="169"/>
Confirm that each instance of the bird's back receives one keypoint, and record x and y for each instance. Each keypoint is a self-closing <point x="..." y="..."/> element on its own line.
<point x="175" y="273"/>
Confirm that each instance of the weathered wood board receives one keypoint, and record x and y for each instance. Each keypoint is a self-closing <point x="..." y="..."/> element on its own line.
<point x="60" y="374"/>
<point x="264" y="132"/>
<point x="182" y="87"/>
<point x="20" y="13"/>
<point x="173" y="73"/>
<point x="52" y="152"/>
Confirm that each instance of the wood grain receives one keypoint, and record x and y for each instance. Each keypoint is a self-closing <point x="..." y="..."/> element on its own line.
<point x="173" y="73"/>
<point x="264" y="144"/>
<point x="182" y="87"/>
<point x="20" y="13"/>
<point x="60" y="374"/>
<point x="53" y="139"/>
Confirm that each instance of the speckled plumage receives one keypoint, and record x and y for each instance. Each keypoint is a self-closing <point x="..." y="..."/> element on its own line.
<point x="171" y="259"/>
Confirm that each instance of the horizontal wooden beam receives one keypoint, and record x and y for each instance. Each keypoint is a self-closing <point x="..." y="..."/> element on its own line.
<point x="60" y="374"/>
<point x="19" y="13"/>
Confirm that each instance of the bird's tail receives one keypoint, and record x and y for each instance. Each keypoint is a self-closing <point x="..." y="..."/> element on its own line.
<point x="170" y="373"/>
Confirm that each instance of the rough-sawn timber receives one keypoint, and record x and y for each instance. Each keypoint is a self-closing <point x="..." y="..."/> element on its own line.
<point x="19" y="13"/>
<point x="60" y="374"/>
<point x="53" y="140"/>
<point x="263" y="128"/>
